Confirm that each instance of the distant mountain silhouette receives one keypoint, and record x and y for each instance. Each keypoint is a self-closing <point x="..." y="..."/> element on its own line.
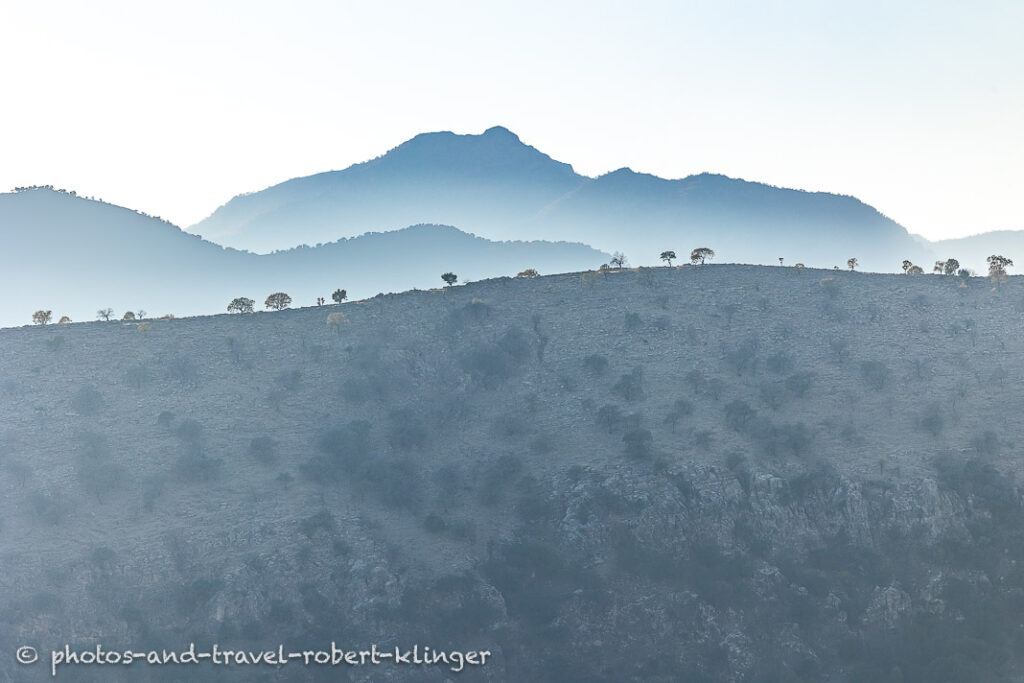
<point x="74" y="256"/>
<point x="500" y="188"/>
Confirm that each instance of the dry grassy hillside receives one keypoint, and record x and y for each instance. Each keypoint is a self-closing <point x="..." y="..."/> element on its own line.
<point x="714" y="473"/>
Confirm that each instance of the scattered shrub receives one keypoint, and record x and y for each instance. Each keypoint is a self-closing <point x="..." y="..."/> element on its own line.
<point x="631" y="385"/>
<point x="263" y="449"/>
<point x="800" y="383"/>
<point x="100" y="479"/>
<point x="87" y="400"/>
<point x="495" y="363"/>
<point x="595" y="364"/>
<point x="986" y="443"/>
<point x="772" y="394"/>
<point x="289" y="380"/>
<point x="875" y="373"/>
<point x="639" y="444"/>
<point x="680" y="409"/>
<point x="184" y="369"/>
<point x="738" y="414"/>
<point x="407" y="429"/>
<point x="322" y="521"/>
<point x="136" y="376"/>
<point x="609" y="418"/>
<point x="780" y="362"/>
<point x="743" y="359"/>
<point x="932" y="420"/>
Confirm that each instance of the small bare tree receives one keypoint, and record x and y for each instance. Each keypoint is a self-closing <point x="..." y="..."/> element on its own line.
<point x="105" y="313"/>
<point x="852" y="263"/>
<point x="42" y="317"/>
<point x="618" y="260"/>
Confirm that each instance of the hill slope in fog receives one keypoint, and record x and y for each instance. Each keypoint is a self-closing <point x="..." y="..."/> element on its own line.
<point x="74" y="256"/>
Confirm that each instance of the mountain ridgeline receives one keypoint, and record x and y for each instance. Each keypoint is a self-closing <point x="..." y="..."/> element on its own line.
<point x="711" y="473"/>
<point x="74" y="256"/>
<point x="495" y="186"/>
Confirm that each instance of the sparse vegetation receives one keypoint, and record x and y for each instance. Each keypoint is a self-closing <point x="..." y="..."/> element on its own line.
<point x="42" y="317"/>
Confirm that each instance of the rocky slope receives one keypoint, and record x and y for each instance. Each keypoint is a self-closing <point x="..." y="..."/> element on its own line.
<point x="716" y="473"/>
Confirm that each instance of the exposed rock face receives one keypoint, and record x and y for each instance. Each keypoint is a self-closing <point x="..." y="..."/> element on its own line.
<point x="715" y="473"/>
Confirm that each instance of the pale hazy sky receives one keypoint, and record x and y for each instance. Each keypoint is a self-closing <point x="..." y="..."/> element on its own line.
<point x="174" y="107"/>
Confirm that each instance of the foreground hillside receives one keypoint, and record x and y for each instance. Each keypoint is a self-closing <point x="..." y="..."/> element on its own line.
<point x="716" y="473"/>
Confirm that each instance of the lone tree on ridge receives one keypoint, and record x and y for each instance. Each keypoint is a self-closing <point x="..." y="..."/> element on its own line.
<point x="241" y="304"/>
<point x="278" y="301"/>
<point x="700" y="255"/>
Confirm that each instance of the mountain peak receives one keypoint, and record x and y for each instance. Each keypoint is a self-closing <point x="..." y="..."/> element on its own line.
<point x="501" y="132"/>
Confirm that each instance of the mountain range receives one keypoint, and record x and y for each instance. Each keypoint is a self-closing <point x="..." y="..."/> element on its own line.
<point x="500" y="188"/>
<point x="386" y="225"/>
